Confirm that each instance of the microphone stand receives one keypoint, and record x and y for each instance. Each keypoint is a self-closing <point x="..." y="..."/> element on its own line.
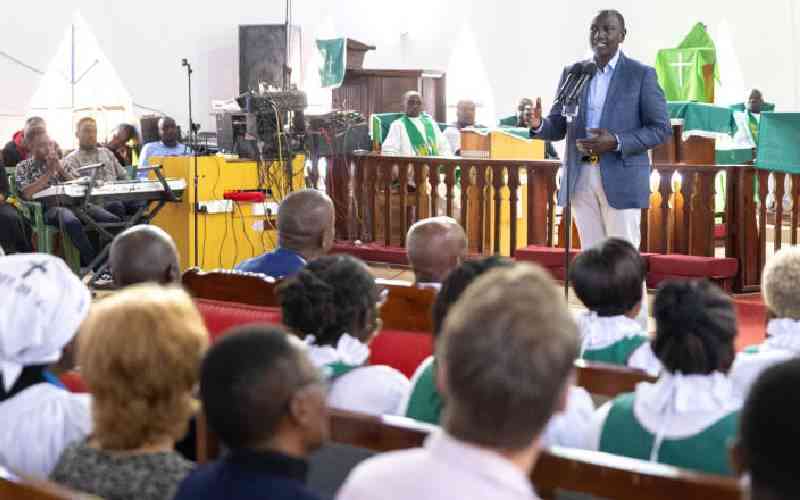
<point x="569" y="111"/>
<point x="196" y="180"/>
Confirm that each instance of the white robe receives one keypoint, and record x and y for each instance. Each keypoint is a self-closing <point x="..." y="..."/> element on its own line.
<point x="37" y="424"/>
<point x="374" y="389"/>
<point x="398" y="143"/>
<point x="783" y="343"/>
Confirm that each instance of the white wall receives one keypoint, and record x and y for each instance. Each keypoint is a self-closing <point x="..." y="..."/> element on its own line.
<point x="523" y="43"/>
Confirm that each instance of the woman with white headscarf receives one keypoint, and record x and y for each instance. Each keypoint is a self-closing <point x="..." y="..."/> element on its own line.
<point x="44" y="304"/>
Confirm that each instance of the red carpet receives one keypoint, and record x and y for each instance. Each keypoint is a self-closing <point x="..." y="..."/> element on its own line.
<point x="752" y="316"/>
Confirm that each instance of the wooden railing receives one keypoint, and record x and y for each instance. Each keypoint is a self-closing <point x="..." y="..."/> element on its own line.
<point x="385" y="195"/>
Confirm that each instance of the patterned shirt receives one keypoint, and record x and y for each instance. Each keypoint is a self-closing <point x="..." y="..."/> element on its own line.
<point x="28" y="171"/>
<point x="111" y="171"/>
<point x="121" y="476"/>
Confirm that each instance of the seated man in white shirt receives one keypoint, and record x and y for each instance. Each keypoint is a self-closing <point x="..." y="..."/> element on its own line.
<point x="513" y="328"/>
<point x="465" y="117"/>
<point x="435" y="246"/>
<point x="416" y="133"/>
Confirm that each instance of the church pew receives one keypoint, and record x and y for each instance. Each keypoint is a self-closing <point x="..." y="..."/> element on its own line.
<point x="608" y="380"/>
<point x="37" y="490"/>
<point x="582" y="471"/>
<point x="232" y="286"/>
<point x="406" y="308"/>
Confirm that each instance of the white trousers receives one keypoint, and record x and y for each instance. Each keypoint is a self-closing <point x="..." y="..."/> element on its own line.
<point x="597" y="220"/>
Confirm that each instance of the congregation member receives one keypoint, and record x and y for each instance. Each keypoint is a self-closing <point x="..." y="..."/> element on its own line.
<point x="687" y="417"/>
<point x="465" y="117"/>
<point x="333" y="304"/>
<point x="424" y="401"/>
<point x="266" y="402"/>
<point x="780" y="289"/>
<point x="16" y="150"/>
<point x="167" y="146"/>
<point x="42" y="170"/>
<point x="435" y="246"/>
<point x="89" y="152"/>
<point x="768" y="434"/>
<point x="608" y="278"/>
<point x="505" y="360"/>
<point x="142" y="254"/>
<point x="124" y="144"/>
<point x="305" y="232"/>
<point x="139" y="353"/>
<point x="13" y="237"/>
<point x="415" y="133"/>
<point x="44" y="305"/>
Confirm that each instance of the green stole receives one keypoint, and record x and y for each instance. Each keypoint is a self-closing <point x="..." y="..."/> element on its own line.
<point x="425" y="403"/>
<point x="426" y="146"/>
<point x="618" y="352"/>
<point x="752" y="123"/>
<point x="334" y="370"/>
<point x="706" y="451"/>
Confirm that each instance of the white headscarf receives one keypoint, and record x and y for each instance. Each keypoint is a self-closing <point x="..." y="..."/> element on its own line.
<point x="43" y="305"/>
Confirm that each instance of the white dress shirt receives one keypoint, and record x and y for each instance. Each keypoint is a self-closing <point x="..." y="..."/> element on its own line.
<point x="37" y="424"/>
<point x="444" y="468"/>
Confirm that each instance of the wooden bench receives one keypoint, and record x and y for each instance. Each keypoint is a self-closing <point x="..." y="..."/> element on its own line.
<point x="608" y="380"/>
<point x="582" y="471"/>
<point x="406" y="308"/>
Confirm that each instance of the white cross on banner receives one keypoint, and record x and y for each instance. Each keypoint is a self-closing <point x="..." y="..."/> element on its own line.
<point x="680" y="65"/>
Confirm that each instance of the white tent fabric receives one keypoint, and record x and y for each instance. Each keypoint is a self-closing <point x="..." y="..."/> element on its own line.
<point x="80" y="81"/>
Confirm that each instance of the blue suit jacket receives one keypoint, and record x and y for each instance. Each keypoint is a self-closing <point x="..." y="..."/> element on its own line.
<point x="636" y="111"/>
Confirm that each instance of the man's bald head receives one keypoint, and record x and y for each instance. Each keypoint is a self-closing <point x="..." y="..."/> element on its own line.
<point x="412" y="103"/>
<point x="435" y="247"/>
<point x="143" y="254"/>
<point x="465" y="113"/>
<point x="305" y="223"/>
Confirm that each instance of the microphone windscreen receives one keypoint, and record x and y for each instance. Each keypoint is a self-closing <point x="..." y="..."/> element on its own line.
<point x="576" y="69"/>
<point x="590" y="68"/>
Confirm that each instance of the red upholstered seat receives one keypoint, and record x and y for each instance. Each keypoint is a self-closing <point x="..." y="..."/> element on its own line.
<point x="402" y="350"/>
<point x="550" y="257"/>
<point x="373" y="252"/>
<point x="220" y="315"/>
<point x="720" y="231"/>
<point x="662" y="267"/>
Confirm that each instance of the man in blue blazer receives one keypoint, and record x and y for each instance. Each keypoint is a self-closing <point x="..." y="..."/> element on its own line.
<point x="622" y="114"/>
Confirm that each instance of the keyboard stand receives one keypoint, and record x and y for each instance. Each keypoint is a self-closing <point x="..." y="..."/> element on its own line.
<point x="143" y="215"/>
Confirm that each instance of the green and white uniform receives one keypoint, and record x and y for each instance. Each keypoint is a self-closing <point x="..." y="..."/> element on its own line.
<point x="681" y="420"/>
<point x="354" y="385"/>
<point x="616" y="340"/>
<point x="783" y="343"/>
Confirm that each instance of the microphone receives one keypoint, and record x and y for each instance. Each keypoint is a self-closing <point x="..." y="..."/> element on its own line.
<point x="589" y="69"/>
<point x="574" y="73"/>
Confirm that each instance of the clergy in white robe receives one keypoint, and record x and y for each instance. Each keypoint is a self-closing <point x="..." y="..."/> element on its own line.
<point x="44" y="304"/>
<point x="415" y="133"/>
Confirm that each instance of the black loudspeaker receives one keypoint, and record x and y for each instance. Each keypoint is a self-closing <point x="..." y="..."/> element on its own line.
<point x="262" y="54"/>
<point x="149" y="128"/>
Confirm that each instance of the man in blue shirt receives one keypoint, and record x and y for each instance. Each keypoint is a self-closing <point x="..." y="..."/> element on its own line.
<point x="266" y="402"/>
<point x="622" y="115"/>
<point x="305" y="232"/>
<point x="167" y="146"/>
